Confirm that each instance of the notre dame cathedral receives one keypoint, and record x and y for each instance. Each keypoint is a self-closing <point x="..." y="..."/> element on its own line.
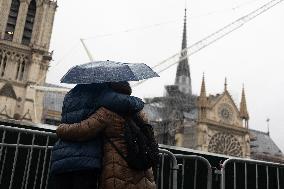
<point x="210" y="123"/>
<point x="25" y="33"/>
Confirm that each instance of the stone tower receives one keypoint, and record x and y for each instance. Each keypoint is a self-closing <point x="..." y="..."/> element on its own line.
<point x="183" y="79"/>
<point x="25" y="33"/>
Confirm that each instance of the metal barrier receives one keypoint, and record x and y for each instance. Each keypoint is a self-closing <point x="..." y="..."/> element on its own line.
<point x="247" y="174"/>
<point x="196" y="172"/>
<point x="25" y="163"/>
<point x="24" y="158"/>
<point x="167" y="168"/>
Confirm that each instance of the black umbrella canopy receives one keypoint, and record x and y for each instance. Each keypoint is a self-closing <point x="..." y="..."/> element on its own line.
<point x="107" y="71"/>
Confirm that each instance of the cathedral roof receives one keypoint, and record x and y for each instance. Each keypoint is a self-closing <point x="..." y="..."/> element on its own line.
<point x="160" y="109"/>
<point x="152" y="113"/>
<point x="192" y="115"/>
<point x="172" y="90"/>
<point x="8" y="91"/>
<point x="53" y="101"/>
<point x="262" y="144"/>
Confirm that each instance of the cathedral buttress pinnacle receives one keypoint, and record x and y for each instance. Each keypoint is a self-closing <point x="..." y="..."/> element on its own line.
<point x="243" y="106"/>
<point x="202" y="99"/>
<point x="243" y="109"/>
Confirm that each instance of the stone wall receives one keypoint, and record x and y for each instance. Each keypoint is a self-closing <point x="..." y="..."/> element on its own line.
<point x="26" y="65"/>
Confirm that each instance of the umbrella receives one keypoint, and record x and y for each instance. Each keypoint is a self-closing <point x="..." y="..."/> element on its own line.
<point x="107" y="71"/>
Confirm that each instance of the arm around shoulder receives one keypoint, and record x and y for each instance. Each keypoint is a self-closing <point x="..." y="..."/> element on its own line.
<point x="89" y="128"/>
<point x="121" y="103"/>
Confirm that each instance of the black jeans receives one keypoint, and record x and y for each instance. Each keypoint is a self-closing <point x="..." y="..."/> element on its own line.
<point x="87" y="179"/>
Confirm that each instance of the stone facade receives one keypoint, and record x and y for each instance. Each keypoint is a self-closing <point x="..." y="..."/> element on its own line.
<point x="214" y="125"/>
<point x="218" y="128"/>
<point x="25" y="32"/>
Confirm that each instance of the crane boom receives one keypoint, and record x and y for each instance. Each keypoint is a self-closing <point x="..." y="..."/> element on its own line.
<point x="87" y="50"/>
<point x="219" y="34"/>
<point x="230" y="28"/>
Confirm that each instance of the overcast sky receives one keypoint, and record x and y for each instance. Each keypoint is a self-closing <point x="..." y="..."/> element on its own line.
<point x="150" y="31"/>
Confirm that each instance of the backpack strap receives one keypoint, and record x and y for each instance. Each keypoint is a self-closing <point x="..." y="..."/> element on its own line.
<point x="116" y="148"/>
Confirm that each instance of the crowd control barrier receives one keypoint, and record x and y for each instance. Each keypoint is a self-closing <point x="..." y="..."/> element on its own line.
<point x="251" y="174"/>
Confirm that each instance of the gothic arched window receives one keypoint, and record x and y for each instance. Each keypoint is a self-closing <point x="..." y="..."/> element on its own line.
<point x="1" y="58"/>
<point x="225" y="143"/>
<point x="12" y="20"/>
<point x="3" y="63"/>
<point x="22" y="71"/>
<point x="21" y="65"/>
<point x="28" y="30"/>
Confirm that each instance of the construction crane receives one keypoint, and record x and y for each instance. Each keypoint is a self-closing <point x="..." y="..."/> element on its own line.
<point x="87" y="50"/>
<point x="199" y="45"/>
<point x="205" y="42"/>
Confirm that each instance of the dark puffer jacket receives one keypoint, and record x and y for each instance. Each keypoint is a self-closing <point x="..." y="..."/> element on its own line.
<point x="79" y="104"/>
<point x="116" y="174"/>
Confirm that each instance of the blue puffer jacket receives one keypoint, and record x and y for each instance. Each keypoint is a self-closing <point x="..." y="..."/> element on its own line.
<point x="79" y="104"/>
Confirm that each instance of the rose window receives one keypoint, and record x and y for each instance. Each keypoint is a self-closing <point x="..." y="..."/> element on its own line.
<point x="225" y="143"/>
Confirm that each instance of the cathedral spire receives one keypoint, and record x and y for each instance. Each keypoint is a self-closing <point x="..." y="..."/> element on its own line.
<point x="184" y="38"/>
<point x="225" y="84"/>
<point x="183" y="79"/>
<point x="202" y="99"/>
